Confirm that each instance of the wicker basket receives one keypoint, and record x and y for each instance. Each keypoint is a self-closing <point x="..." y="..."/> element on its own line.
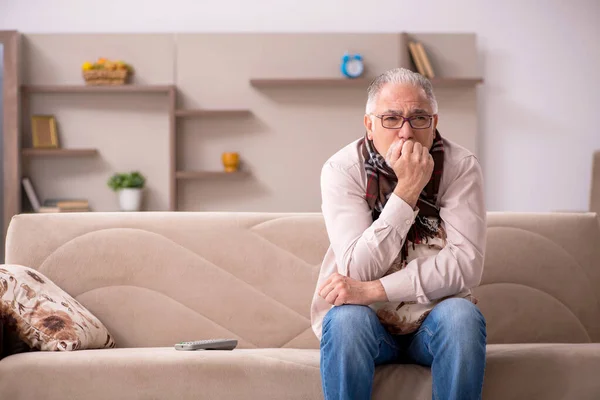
<point x="105" y="77"/>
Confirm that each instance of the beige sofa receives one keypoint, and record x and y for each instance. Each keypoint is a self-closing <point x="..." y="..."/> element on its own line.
<point x="155" y="279"/>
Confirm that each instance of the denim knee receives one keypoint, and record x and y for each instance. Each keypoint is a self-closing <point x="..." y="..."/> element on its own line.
<point x="459" y="318"/>
<point x="350" y="322"/>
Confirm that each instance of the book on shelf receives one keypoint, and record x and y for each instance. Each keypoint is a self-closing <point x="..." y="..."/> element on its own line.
<point x="65" y="205"/>
<point x="53" y="205"/>
<point x="31" y="194"/>
<point x="420" y="59"/>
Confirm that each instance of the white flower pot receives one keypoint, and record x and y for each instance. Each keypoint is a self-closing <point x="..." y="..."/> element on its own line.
<point x="130" y="199"/>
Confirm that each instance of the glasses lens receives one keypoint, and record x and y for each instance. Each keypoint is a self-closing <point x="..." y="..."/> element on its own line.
<point x="391" y="121"/>
<point x="420" y="121"/>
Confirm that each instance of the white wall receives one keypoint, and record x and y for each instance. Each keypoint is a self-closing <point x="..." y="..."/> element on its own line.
<point x="540" y="60"/>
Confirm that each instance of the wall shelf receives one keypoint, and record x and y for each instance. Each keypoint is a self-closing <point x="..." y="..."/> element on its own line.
<point x="58" y="152"/>
<point x="455" y="82"/>
<point x="359" y="82"/>
<point x="209" y="174"/>
<point x="212" y="113"/>
<point x="97" y="89"/>
<point x="301" y="82"/>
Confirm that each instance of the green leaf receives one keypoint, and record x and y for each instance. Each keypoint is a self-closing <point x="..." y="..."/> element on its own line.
<point x="133" y="180"/>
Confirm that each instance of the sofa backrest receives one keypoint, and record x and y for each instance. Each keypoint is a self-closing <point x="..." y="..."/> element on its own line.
<point x="157" y="278"/>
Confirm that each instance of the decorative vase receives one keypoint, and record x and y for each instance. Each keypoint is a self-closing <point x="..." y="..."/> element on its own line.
<point x="231" y="161"/>
<point x="130" y="199"/>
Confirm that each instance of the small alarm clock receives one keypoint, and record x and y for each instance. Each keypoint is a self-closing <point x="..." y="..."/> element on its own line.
<point x="352" y="65"/>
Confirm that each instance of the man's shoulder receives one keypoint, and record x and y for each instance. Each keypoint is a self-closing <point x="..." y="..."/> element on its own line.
<point x="455" y="154"/>
<point x="345" y="158"/>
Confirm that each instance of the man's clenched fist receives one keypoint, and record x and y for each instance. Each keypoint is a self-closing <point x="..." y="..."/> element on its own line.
<point x="339" y="289"/>
<point x="413" y="165"/>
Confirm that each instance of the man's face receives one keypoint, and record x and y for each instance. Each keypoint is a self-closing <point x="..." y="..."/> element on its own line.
<point x="399" y="100"/>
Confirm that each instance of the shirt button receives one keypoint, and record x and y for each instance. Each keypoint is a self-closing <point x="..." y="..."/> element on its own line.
<point x="407" y="222"/>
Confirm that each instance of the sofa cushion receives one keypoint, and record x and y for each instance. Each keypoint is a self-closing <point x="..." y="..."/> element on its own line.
<point x="513" y="371"/>
<point x="45" y="316"/>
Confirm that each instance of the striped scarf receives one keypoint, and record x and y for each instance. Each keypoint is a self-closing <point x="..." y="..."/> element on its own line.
<point x="381" y="181"/>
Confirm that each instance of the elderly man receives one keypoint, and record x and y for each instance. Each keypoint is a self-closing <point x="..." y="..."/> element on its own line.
<point x="406" y="219"/>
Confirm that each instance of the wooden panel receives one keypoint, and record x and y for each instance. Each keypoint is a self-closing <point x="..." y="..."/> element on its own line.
<point x="458" y="115"/>
<point x="59" y="152"/>
<point x="97" y="89"/>
<point x="10" y="120"/>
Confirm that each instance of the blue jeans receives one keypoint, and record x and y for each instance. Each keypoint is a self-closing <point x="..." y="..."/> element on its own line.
<point x="451" y="341"/>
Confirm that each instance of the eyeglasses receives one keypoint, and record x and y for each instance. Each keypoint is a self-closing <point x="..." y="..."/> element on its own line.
<point x="391" y="121"/>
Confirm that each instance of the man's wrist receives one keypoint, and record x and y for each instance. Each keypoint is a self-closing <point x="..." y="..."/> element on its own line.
<point x="408" y="197"/>
<point x="377" y="292"/>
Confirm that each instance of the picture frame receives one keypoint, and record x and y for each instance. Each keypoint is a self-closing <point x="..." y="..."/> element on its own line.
<point x="44" y="133"/>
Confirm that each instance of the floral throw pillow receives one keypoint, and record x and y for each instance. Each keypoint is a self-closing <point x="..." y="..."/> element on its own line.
<point x="45" y="316"/>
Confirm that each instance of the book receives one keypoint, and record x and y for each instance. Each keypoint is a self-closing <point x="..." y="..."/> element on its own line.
<point x="31" y="195"/>
<point x="416" y="58"/>
<point x="66" y="203"/>
<point x="425" y="61"/>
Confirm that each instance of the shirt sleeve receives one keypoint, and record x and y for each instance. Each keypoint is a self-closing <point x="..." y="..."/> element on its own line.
<point x="364" y="250"/>
<point x="459" y="265"/>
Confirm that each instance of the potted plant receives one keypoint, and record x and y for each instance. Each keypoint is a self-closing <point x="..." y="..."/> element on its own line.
<point x="129" y="187"/>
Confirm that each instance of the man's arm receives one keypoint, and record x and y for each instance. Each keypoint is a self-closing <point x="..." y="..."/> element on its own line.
<point x="364" y="249"/>
<point x="459" y="265"/>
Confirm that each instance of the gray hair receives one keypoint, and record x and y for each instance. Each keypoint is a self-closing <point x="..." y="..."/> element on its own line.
<point x="399" y="76"/>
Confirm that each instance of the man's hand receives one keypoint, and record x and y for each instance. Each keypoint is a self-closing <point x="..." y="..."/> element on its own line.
<point x="339" y="289"/>
<point x="413" y="165"/>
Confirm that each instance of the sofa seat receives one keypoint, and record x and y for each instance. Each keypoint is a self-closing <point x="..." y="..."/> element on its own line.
<point x="527" y="371"/>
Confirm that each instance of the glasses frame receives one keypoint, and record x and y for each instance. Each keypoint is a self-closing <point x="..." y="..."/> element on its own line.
<point x="404" y="119"/>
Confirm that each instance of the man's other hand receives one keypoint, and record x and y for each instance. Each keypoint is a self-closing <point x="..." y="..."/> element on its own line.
<point x="339" y="289"/>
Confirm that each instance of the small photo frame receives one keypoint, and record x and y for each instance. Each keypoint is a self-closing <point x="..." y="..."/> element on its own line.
<point x="43" y="128"/>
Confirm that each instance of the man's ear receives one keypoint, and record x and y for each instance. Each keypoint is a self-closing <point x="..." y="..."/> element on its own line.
<point x="435" y="122"/>
<point x="369" y="126"/>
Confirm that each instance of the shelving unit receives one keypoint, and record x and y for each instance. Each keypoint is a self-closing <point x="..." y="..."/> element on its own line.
<point x="273" y="79"/>
<point x="28" y="90"/>
<point x="31" y="152"/>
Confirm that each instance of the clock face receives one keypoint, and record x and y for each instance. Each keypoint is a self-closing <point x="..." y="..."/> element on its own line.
<point x="354" y="67"/>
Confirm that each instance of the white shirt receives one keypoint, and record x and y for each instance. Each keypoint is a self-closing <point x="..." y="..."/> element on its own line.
<point x="364" y="249"/>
